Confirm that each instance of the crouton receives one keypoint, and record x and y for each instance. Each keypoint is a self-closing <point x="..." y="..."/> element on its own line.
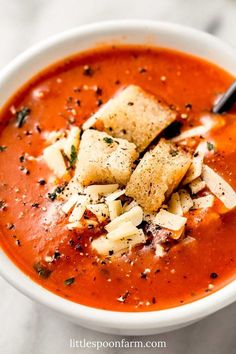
<point x="157" y="175"/>
<point x="102" y="159"/>
<point x="135" y="115"/>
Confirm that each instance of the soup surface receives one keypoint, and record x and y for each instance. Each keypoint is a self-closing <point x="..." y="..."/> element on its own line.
<point x="33" y="230"/>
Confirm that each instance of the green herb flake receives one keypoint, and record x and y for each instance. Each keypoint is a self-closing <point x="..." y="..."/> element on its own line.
<point x="69" y="281"/>
<point x="2" y="148"/>
<point x="42" y="271"/>
<point x="52" y="196"/>
<point x="21" y="116"/>
<point x="210" y="146"/>
<point x="73" y="156"/>
<point x="108" y="140"/>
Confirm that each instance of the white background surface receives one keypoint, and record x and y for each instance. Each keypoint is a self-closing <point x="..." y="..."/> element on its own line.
<point x="25" y="327"/>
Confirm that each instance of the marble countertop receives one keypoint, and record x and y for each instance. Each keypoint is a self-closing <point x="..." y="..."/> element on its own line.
<point x="26" y="327"/>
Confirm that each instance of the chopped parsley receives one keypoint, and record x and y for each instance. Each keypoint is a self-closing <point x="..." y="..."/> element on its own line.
<point x="52" y="196"/>
<point x="21" y="116"/>
<point x="210" y="146"/>
<point x="2" y="148"/>
<point x="73" y="156"/>
<point x="69" y="281"/>
<point x="108" y="140"/>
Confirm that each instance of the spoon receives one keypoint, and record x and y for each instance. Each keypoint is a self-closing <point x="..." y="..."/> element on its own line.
<point x="226" y="101"/>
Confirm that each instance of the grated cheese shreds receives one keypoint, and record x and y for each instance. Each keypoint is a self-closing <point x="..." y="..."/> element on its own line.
<point x="106" y="247"/>
<point x="115" y="195"/>
<point x="99" y="210"/>
<point x="159" y="250"/>
<point x="203" y="202"/>
<point x="177" y="234"/>
<point x="115" y="208"/>
<point x="66" y="207"/>
<point x="197" y="185"/>
<point x="195" y="168"/>
<point x="200" y="130"/>
<point x="54" y="159"/>
<point x="101" y="189"/>
<point x="135" y="215"/>
<point x="73" y="187"/>
<point x="174" y="205"/>
<point x="53" y="136"/>
<point x="219" y="187"/>
<point x="74" y="225"/>
<point x="79" y="208"/>
<point x="185" y="200"/>
<point x="169" y="221"/>
<point x="127" y="206"/>
<point x="124" y="230"/>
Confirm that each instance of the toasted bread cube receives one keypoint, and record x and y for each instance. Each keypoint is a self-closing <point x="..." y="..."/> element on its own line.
<point x="103" y="159"/>
<point x="157" y="175"/>
<point x="135" y="115"/>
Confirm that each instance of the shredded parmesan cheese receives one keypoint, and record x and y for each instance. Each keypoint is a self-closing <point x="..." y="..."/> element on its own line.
<point x="159" y="250"/>
<point x="79" y="209"/>
<point x="115" y="208"/>
<point x="66" y="208"/>
<point x="106" y="247"/>
<point x="101" y="189"/>
<point x="170" y="221"/>
<point x="219" y="187"/>
<point x="124" y="230"/>
<point x="174" y="205"/>
<point x="185" y="200"/>
<point x="135" y="215"/>
<point x="74" y="225"/>
<point x="195" y="168"/>
<point x="54" y="159"/>
<point x="115" y="195"/>
<point x="197" y="185"/>
<point x="99" y="210"/>
<point x="177" y="234"/>
<point x="200" y="130"/>
<point x="127" y="206"/>
<point x="203" y="202"/>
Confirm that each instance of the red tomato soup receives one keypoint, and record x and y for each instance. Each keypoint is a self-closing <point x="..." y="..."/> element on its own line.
<point x="34" y="230"/>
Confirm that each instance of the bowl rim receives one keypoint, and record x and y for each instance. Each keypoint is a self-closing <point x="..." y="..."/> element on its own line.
<point x="175" y="316"/>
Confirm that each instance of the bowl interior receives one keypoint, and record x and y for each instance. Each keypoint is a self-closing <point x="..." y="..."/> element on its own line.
<point x="121" y="32"/>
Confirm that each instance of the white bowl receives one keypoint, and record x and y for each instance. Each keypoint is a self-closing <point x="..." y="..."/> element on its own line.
<point x="40" y="56"/>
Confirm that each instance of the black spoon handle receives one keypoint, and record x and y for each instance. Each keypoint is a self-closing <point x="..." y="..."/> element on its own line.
<point x="226" y="101"/>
